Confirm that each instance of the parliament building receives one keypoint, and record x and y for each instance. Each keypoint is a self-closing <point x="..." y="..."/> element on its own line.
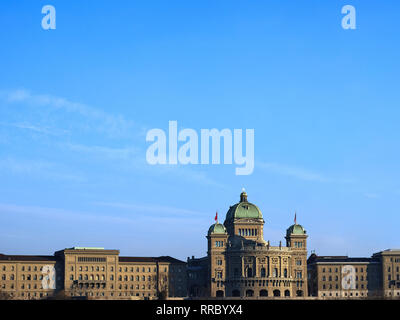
<point x="239" y="264"/>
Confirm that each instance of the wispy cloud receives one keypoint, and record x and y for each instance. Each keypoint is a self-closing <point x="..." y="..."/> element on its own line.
<point x="185" y="172"/>
<point x="291" y="171"/>
<point x="70" y="215"/>
<point x="44" y="169"/>
<point x="372" y="195"/>
<point x="115" y="125"/>
<point x="127" y="153"/>
<point x="297" y="172"/>
<point x="132" y="159"/>
<point x="155" y="209"/>
<point x="36" y="128"/>
<point x="53" y="115"/>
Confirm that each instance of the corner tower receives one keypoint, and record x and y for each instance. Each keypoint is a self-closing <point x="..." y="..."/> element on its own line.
<point x="296" y="237"/>
<point x="217" y="243"/>
<point x="296" y="241"/>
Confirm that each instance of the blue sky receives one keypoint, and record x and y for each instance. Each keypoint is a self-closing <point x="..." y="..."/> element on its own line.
<point x="76" y="103"/>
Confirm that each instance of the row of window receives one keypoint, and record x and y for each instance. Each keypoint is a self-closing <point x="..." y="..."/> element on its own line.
<point x="337" y="269"/>
<point x="219" y="243"/>
<point x="120" y="278"/>
<point x="350" y="294"/>
<point x="337" y="278"/>
<point x="390" y="277"/>
<point x="24" y="268"/>
<point x="126" y="269"/>
<point x="324" y="286"/>
<point x="247" y="232"/>
<point x="97" y="268"/>
<point x="298" y="244"/>
<point x="397" y="269"/>
<point x="23" y="277"/>
<point x="102" y="277"/>
<point x="28" y="286"/>
<point x="31" y="294"/>
<point x="91" y="259"/>
<point x="120" y="294"/>
<point x="275" y="273"/>
<point x="273" y="283"/>
<point x="97" y="294"/>
<point x="120" y="287"/>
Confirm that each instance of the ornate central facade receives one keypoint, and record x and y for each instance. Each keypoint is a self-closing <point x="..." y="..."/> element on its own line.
<point x="240" y="263"/>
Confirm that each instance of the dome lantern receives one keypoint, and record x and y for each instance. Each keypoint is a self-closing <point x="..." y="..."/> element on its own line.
<point x="243" y="196"/>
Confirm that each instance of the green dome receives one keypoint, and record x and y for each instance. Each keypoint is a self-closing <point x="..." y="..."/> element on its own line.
<point x="295" y="229"/>
<point x="243" y="209"/>
<point x="217" y="228"/>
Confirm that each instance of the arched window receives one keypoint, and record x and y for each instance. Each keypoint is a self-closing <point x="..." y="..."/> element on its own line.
<point x="285" y="273"/>
<point x="287" y="293"/>
<point x="277" y="293"/>
<point x="263" y="293"/>
<point x="299" y="293"/>
<point x="249" y="293"/>
<point x="219" y="293"/>
<point x="249" y="272"/>
<point x="262" y="272"/>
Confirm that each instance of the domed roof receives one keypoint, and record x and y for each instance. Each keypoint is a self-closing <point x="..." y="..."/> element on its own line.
<point x="295" y="229"/>
<point x="243" y="209"/>
<point x="217" y="228"/>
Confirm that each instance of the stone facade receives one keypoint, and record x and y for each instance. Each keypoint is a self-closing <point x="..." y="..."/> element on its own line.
<point x="341" y="277"/>
<point x="92" y="273"/>
<point x="240" y="263"/>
